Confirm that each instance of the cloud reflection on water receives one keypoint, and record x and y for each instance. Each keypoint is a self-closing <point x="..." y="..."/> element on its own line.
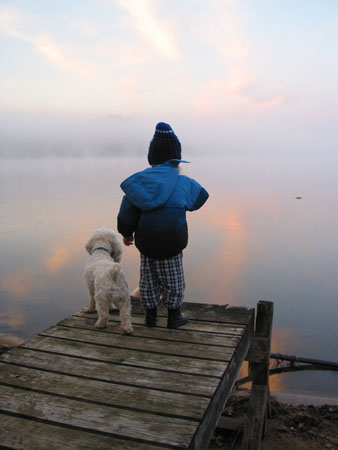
<point x="221" y="267"/>
<point x="57" y="258"/>
<point x="19" y="283"/>
<point x="13" y="317"/>
<point x="250" y="241"/>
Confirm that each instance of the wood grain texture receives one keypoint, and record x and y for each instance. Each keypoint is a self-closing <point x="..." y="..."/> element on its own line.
<point x="102" y="371"/>
<point x="77" y="387"/>
<point x="216" y="406"/>
<point x="194" y="350"/>
<point x="193" y="325"/>
<point x="206" y="312"/>
<point x="22" y="433"/>
<point x="114" y="421"/>
<point x="180" y="335"/>
<point x="259" y="403"/>
<point x="143" y="399"/>
<point x="128" y="357"/>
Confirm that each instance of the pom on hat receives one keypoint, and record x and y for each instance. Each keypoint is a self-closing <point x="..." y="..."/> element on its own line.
<point x="164" y="145"/>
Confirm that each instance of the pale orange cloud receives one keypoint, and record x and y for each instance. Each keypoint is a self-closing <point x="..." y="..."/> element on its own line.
<point x="55" y="53"/>
<point x="233" y="93"/>
<point x="157" y="32"/>
<point x="227" y="96"/>
<point x="11" y="24"/>
<point x="260" y="107"/>
<point x="9" y="21"/>
<point x="231" y="43"/>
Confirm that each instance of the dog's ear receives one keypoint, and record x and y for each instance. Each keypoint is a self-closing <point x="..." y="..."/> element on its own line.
<point x="117" y="255"/>
<point x="116" y="252"/>
<point x="89" y="245"/>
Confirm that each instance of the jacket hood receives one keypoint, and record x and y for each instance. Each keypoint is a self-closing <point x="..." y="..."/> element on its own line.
<point x="152" y="187"/>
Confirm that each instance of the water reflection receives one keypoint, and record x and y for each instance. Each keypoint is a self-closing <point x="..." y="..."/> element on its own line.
<point x="251" y="241"/>
<point x="12" y="318"/>
<point x="217" y="252"/>
<point x="18" y="284"/>
<point x="57" y="258"/>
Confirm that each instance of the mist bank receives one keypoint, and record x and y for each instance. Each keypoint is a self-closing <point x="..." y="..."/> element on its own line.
<point x="43" y="135"/>
<point x="45" y="147"/>
<point x="51" y="135"/>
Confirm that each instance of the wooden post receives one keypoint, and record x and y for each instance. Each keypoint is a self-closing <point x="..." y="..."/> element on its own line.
<point x="259" y="361"/>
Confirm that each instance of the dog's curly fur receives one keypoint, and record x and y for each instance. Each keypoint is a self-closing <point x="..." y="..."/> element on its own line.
<point x="105" y="279"/>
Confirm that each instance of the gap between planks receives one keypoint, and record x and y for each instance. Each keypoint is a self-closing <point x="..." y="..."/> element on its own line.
<point x="130" y="358"/>
<point x="101" y="393"/>
<point x="39" y="435"/>
<point x="199" y="383"/>
<point x="202" y="326"/>
<point x="227" y="339"/>
<point x="106" y="371"/>
<point x="114" y="421"/>
<point x="191" y="319"/>
<point x="91" y="337"/>
<point x="99" y="403"/>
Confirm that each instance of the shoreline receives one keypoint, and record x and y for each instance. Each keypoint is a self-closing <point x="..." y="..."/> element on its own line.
<point x="292" y="398"/>
<point x="290" y="427"/>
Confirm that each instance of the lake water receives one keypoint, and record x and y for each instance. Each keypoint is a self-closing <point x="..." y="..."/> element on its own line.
<point x="253" y="240"/>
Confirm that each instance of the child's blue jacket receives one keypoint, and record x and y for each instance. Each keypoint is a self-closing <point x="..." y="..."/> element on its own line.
<point x="154" y="207"/>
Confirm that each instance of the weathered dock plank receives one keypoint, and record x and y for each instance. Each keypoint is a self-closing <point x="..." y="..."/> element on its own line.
<point x="208" y="312"/>
<point x="195" y="350"/>
<point x="126" y="356"/>
<point x="90" y="369"/>
<point x="24" y="433"/>
<point x="74" y="386"/>
<point x="124" y="422"/>
<point x="138" y="398"/>
<point x="232" y="340"/>
<point x="193" y="325"/>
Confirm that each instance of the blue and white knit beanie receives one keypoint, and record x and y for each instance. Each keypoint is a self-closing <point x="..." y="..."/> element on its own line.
<point x="164" y="145"/>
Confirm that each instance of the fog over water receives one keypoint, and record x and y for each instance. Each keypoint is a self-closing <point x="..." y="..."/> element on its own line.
<point x="62" y="134"/>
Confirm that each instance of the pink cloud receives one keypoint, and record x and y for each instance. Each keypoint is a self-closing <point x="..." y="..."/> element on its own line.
<point x="157" y="32"/>
<point x="11" y="24"/>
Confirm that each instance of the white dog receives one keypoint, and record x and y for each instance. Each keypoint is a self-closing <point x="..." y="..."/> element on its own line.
<point x="105" y="279"/>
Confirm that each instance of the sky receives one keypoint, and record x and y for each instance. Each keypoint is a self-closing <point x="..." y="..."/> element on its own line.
<point x="238" y="77"/>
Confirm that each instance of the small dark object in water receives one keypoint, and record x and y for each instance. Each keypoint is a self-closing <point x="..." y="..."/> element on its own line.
<point x="298" y="198"/>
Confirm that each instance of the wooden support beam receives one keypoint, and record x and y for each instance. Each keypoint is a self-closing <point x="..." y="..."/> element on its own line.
<point x="230" y="423"/>
<point x="259" y="361"/>
<point x="258" y="349"/>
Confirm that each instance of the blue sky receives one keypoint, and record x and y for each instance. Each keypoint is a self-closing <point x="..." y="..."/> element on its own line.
<point x="253" y="72"/>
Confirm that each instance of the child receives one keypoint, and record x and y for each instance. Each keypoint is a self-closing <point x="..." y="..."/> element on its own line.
<point x="154" y="208"/>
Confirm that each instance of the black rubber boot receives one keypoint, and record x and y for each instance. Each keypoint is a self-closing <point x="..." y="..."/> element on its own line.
<point x="176" y="318"/>
<point x="151" y="316"/>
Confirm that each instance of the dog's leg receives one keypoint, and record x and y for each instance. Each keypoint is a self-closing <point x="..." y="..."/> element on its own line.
<point x="91" y="307"/>
<point x="125" y="316"/>
<point x="102" y="307"/>
<point x="113" y="308"/>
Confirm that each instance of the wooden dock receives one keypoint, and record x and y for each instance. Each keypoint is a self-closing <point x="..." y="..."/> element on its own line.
<point x="76" y="387"/>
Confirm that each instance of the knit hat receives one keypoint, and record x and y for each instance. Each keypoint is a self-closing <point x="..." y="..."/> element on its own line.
<point x="164" y="145"/>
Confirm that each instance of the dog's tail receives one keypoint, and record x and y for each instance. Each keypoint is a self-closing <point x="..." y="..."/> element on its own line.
<point x="115" y="272"/>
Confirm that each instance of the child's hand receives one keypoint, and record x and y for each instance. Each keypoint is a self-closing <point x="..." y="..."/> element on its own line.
<point x="128" y="240"/>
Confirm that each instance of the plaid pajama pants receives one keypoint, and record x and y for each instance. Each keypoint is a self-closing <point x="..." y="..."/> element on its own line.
<point x="162" y="278"/>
